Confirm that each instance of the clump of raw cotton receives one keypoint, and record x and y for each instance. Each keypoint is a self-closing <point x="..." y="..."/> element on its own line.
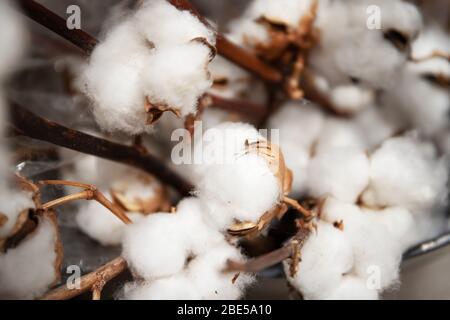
<point x="422" y="94"/>
<point x="180" y="256"/>
<point x="137" y="193"/>
<point x="183" y="254"/>
<point x="28" y="270"/>
<point x="360" y="238"/>
<point x="163" y="67"/>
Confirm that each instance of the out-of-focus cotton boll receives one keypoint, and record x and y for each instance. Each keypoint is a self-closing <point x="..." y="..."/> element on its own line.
<point x="206" y="273"/>
<point x="353" y="288"/>
<point x="376" y="251"/>
<point x="424" y="102"/>
<point x="177" y="287"/>
<point x="299" y="126"/>
<point x="349" y="49"/>
<point x="30" y="269"/>
<point x="232" y="82"/>
<point x="339" y="133"/>
<point x="326" y="256"/>
<point x="246" y="30"/>
<point x="154" y="70"/>
<point x="406" y="172"/>
<point x="400" y="223"/>
<point x="229" y="161"/>
<point x="183" y="233"/>
<point x="350" y="98"/>
<point x="299" y="123"/>
<point x="100" y="224"/>
<point x="377" y="124"/>
<point x="340" y="172"/>
<point x="12" y="204"/>
<point x="12" y="38"/>
<point x="113" y="80"/>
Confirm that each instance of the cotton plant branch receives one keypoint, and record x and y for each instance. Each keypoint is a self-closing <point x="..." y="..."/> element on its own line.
<point x="93" y="282"/>
<point x="90" y="193"/>
<point x="28" y="124"/>
<point x="86" y="42"/>
<point x="57" y="24"/>
<point x="290" y="250"/>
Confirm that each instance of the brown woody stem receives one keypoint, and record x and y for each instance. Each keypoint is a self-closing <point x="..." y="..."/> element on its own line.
<point x="269" y="259"/>
<point x="90" y="281"/>
<point x="28" y="124"/>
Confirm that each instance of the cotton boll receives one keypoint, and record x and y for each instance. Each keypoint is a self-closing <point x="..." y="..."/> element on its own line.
<point x="233" y="82"/>
<point x="177" y="287"/>
<point x="375" y="249"/>
<point x="353" y="288"/>
<point x="349" y="49"/>
<point x="30" y="269"/>
<point x="406" y="172"/>
<point x="339" y="133"/>
<point x="351" y="98"/>
<point x="172" y="27"/>
<point x="377" y="124"/>
<point x="341" y="172"/>
<point x="326" y="256"/>
<point x="113" y="80"/>
<point x="297" y="159"/>
<point x="246" y="29"/>
<point x="160" y="244"/>
<point x="299" y="123"/>
<point x="206" y="273"/>
<point x="100" y="224"/>
<point x="12" y="38"/>
<point x="400" y="223"/>
<point x="259" y="190"/>
<point x="178" y="77"/>
<point x="12" y="204"/>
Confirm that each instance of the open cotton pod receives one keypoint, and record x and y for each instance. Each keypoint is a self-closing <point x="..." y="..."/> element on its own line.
<point x="243" y="176"/>
<point x="160" y="244"/>
<point x="406" y="171"/>
<point x="163" y="67"/>
<point x="140" y="193"/>
<point x="32" y="261"/>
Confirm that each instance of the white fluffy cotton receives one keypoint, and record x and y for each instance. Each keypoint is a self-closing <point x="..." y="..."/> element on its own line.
<point x="160" y="244"/>
<point x="235" y="183"/>
<point x="406" y="172"/>
<point x="340" y="172"/>
<point x="28" y="270"/>
<point x="161" y="63"/>
<point x="325" y="258"/>
<point x="203" y="278"/>
<point x="375" y="249"/>
<point x="12" y="204"/>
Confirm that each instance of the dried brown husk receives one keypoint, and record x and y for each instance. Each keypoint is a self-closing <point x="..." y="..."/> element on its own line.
<point x="288" y="47"/>
<point x="158" y="202"/>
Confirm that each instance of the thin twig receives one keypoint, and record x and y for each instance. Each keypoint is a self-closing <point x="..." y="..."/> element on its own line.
<point x="90" y="193"/>
<point x="28" y="124"/>
<point x="254" y="110"/>
<point x="269" y="259"/>
<point x="89" y="281"/>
